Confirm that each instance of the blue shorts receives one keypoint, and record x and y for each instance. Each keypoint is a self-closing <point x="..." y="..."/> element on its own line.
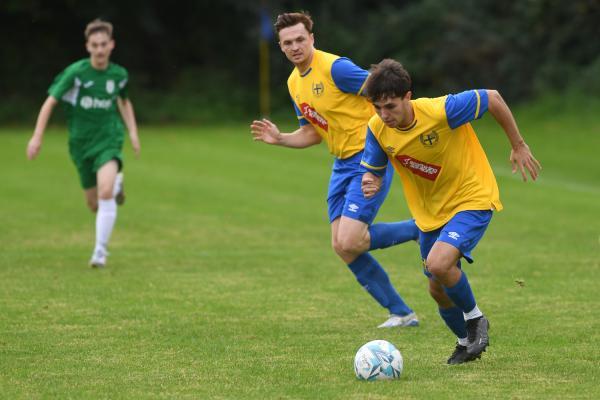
<point x="463" y="231"/>
<point x="345" y="196"/>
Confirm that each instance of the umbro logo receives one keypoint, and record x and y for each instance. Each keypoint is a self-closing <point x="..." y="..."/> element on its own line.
<point x="390" y="149"/>
<point x="353" y="208"/>
<point x="88" y="84"/>
<point x="453" y="235"/>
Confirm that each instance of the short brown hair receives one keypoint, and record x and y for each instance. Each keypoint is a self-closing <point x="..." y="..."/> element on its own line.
<point x="387" y="79"/>
<point x="98" y="25"/>
<point x="290" y="19"/>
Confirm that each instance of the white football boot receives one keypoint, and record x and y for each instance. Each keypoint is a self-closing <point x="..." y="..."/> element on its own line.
<point x="399" y="321"/>
<point x="98" y="259"/>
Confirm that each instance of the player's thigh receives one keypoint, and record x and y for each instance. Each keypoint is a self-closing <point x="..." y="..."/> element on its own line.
<point x="442" y="257"/>
<point x="357" y="207"/>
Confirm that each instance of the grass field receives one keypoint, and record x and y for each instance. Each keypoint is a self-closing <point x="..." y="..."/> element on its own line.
<point x="222" y="283"/>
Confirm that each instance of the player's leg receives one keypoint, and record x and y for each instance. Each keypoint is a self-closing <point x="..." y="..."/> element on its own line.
<point x="91" y="198"/>
<point x="449" y="312"/>
<point x="107" y="211"/>
<point x="351" y="214"/>
<point x="458" y="237"/>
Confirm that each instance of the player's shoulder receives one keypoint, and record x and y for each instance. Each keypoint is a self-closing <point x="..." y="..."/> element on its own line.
<point x="79" y="66"/>
<point x="118" y="69"/>
<point x="375" y="124"/>
<point x="431" y="106"/>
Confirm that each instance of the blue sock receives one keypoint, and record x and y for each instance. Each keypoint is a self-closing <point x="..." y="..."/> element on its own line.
<point x="461" y="294"/>
<point x="389" y="234"/>
<point x="454" y="319"/>
<point x="375" y="280"/>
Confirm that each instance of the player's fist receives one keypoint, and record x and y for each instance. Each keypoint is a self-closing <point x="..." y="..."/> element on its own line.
<point x="370" y="184"/>
<point x="33" y="147"/>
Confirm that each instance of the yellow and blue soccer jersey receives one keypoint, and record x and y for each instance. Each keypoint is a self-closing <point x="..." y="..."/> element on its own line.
<point x="441" y="163"/>
<point x="328" y="96"/>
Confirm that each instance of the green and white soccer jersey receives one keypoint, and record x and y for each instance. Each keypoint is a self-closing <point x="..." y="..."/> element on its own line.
<point x="96" y="130"/>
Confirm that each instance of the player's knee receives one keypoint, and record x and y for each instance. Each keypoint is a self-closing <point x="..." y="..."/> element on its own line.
<point x="105" y="193"/>
<point x="437" y="266"/>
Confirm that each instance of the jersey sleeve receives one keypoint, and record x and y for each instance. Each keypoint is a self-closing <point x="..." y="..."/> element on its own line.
<point x="124" y="86"/>
<point x="348" y="77"/>
<point x="63" y="83"/>
<point x="465" y="107"/>
<point x="301" y="120"/>
<point x="374" y="159"/>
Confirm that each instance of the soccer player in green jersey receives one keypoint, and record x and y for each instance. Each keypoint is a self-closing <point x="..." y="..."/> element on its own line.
<point x="92" y="90"/>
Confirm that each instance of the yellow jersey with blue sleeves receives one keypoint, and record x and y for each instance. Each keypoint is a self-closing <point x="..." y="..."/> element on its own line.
<point x="328" y="95"/>
<point x="441" y="163"/>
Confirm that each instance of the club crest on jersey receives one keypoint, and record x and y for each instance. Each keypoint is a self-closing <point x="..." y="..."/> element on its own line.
<point x="429" y="139"/>
<point x="420" y="168"/>
<point x="318" y="88"/>
<point x="314" y="117"/>
<point x="110" y="86"/>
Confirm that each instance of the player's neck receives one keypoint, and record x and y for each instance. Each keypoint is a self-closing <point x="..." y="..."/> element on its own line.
<point x="303" y="67"/>
<point x="409" y="117"/>
<point x="99" y="65"/>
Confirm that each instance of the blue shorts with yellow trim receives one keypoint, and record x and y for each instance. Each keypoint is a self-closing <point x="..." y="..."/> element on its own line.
<point x="345" y="196"/>
<point x="463" y="231"/>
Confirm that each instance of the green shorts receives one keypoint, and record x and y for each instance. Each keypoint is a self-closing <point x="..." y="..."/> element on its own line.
<point x="88" y="160"/>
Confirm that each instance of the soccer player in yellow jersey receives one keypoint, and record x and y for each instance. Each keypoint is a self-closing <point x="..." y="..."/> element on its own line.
<point x="326" y="91"/>
<point x="448" y="183"/>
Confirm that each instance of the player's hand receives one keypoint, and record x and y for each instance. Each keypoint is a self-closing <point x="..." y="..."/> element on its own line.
<point x="371" y="184"/>
<point x="265" y="131"/>
<point x="33" y="147"/>
<point x="136" y="146"/>
<point x="521" y="159"/>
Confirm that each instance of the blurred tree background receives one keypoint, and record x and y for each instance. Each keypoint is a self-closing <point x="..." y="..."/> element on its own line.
<point x="197" y="61"/>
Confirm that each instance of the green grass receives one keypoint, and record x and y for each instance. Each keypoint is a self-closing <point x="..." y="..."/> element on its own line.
<point x="222" y="283"/>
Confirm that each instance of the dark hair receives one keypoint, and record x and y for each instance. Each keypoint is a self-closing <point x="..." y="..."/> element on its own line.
<point x="387" y="79"/>
<point x="98" y="25"/>
<point x="290" y="19"/>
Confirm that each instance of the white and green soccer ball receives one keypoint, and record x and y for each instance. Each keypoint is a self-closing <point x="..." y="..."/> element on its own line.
<point x="378" y="360"/>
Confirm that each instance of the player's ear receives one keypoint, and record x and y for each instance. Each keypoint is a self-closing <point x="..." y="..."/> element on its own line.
<point x="111" y="44"/>
<point x="408" y="95"/>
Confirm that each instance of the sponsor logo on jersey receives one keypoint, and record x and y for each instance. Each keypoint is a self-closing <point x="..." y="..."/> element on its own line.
<point x="313" y="116"/>
<point x="429" y="139"/>
<point x="318" y="88"/>
<point x="110" y="86"/>
<point x="88" y="102"/>
<point x="423" y="169"/>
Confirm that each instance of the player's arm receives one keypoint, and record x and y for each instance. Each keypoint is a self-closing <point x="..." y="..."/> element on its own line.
<point x="520" y="155"/>
<point x="467" y="106"/>
<point x="128" y="115"/>
<point x="373" y="166"/>
<point x="35" y="143"/>
<point x="348" y="77"/>
<point x="266" y="131"/>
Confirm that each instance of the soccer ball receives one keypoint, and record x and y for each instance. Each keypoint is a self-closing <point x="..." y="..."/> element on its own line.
<point x="378" y="360"/>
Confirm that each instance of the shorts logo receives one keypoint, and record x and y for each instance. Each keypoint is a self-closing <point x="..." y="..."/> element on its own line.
<point x="453" y="235"/>
<point x="429" y="139"/>
<point x="353" y="208"/>
<point x="424" y="170"/>
<point x="110" y="86"/>
<point x="314" y="117"/>
<point x="318" y="88"/>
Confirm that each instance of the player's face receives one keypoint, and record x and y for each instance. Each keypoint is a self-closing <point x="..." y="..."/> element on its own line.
<point x="297" y="44"/>
<point x="395" y="112"/>
<point x="100" y="45"/>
